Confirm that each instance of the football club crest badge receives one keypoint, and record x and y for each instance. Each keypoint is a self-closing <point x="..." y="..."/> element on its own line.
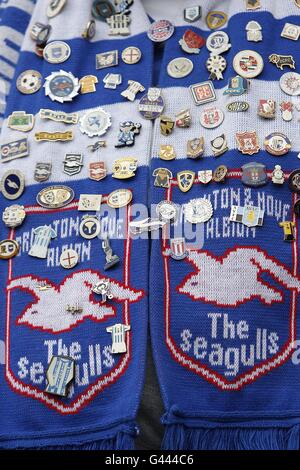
<point x="219" y="145"/>
<point x="42" y="171"/>
<point x="277" y="144"/>
<point x="167" y="152"/>
<point x="13" y="150"/>
<point x="195" y="147"/>
<point x="162" y="177"/>
<point x="73" y="163"/>
<point x="254" y="31"/>
<point x="254" y="174"/>
<point x="286" y="108"/>
<point x="278" y="175"/>
<point x="184" y="119"/>
<point x="250" y="216"/>
<point x="203" y="93"/>
<point x="191" y="42"/>
<point x="177" y="249"/>
<point x="124" y="168"/>
<point x="185" y="180"/>
<point x="97" y="171"/>
<point x="216" y="19"/>
<point x="192" y="14"/>
<point x="267" y="109"/>
<point x="236" y="86"/>
<point x="60" y="374"/>
<point x="247" y="142"/>
<point x="220" y="173"/>
<point x="253" y="4"/>
<point x="166" y="125"/>
<point x="21" y="121"/>
<point x="205" y="176"/>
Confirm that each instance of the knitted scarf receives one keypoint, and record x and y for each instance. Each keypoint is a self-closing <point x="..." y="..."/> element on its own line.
<point x="222" y="320"/>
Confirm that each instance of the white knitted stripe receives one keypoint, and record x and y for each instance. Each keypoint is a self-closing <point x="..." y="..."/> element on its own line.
<point x="54" y="152"/>
<point x="72" y="20"/>
<point x="25" y="5"/>
<point x="173" y="9"/>
<point x="179" y="98"/>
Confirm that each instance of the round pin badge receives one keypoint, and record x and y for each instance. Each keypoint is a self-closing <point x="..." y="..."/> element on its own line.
<point x="152" y="104"/>
<point x="131" y="55"/>
<point x="290" y="83"/>
<point x="102" y="9"/>
<point x="220" y="173"/>
<point x="89" y="227"/>
<point x="248" y="64"/>
<point x="9" y="249"/>
<point x="211" y="118"/>
<point x="294" y="181"/>
<point x="61" y="86"/>
<point x="56" y="52"/>
<point x="69" y="259"/>
<point x="12" y="184"/>
<point x="180" y="67"/>
<point x="119" y="198"/>
<point x="198" y="211"/>
<point x="277" y="144"/>
<point x="55" y="197"/>
<point x="14" y="215"/>
<point x="95" y="122"/>
<point x="218" y="42"/>
<point x="29" y="82"/>
<point x="55" y="7"/>
<point x="167" y="211"/>
<point x="160" y="30"/>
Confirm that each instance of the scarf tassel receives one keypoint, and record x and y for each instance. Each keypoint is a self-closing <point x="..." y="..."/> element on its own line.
<point x="181" y="437"/>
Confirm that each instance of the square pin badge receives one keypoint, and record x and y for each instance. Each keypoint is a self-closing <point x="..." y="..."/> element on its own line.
<point x="107" y="59"/>
<point x="291" y="31"/>
<point x="203" y="92"/>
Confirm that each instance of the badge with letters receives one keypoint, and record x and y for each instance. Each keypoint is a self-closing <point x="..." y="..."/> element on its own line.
<point x="195" y="147"/>
<point x="124" y="168"/>
<point x="60" y="374"/>
<point x="277" y="144"/>
<point x="59" y="116"/>
<point x="14" y="215"/>
<point x="54" y="136"/>
<point x="250" y="216"/>
<point x="13" y="150"/>
<point x="42" y="171"/>
<point x="185" y="180"/>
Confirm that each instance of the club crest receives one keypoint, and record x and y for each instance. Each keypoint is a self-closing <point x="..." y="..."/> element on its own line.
<point x="205" y="176"/>
<point x="185" y="180"/>
<point x="247" y="142"/>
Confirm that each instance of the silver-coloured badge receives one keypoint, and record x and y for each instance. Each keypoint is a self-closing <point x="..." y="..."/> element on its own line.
<point x="12" y="150"/>
<point x="60" y="374"/>
<point x="107" y="59"/>
<point x="180" y="67"/>
<point x="56" y="52"/>
<point x="254" y="31"/>
<point x="167" y="211"/>
<point x="69" y="259"/>
<point x="198" y="211"/>
<point x="42" y="171"/>
<point x="119" y="25"/>
<point x="218" y="42"/>
<point x="103" y="288"/>
<point x="55" y="197"/>
<point x="216" y="64"/>
<point x="61" y="86"/>
<point x="13" y="216"/>
<point x="192" y="14"/>
<point x="55" y="7"/>
<point x="133" y="88"/>
<point x="90" y="202"/>
<point x="112" y="80"/>
<point x="95" y="122"/>
<point x="41" y="241"/>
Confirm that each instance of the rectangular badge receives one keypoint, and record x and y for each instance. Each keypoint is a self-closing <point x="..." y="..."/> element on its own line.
<point x="13" y="150"/>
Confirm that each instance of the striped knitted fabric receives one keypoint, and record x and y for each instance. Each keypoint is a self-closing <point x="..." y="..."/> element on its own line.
<point x="222" y="321"/>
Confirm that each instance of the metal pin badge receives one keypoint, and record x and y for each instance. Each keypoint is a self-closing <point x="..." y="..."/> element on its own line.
<point x="42" y="238"/>
<point x="60" y="374"/>
<point x="128" y="132"/>
<point x="288" y="230"/>
<point x="103" y="288"/>
<point x="111" y="259"/>
<point x="118" y="334"/>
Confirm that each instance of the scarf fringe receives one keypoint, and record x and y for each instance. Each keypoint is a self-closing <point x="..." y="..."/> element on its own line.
<point x="122" y="441"/>
<point x="181" y="437"/>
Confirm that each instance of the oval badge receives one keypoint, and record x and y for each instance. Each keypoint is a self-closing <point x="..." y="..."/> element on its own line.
<point x="238" y="106"/>
<point x="55" y="197"/>
<point x="8" y="249"/>
<point x="12" y="184"/>
<point x="119" y="198"/>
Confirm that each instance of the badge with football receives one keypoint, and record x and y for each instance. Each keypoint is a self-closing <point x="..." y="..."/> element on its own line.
<point x="65" y="315"/>
<point x="225" y="283"/>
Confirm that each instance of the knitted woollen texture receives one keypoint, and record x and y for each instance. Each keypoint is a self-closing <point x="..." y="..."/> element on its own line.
<point x="223" y="319"/>
<point x="100" y="411"/>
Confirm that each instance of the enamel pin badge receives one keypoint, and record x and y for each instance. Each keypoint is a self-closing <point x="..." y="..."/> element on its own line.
<point x="61" y="86"/>
<point x="177" y="249"/>
<point x="60" y="374"/>
<point x="41" y="241"/>
<point x="195" y="147"/>
<point x="95" y="122"/>
<point x="21" y="121"/>
<point x="282" y="61"/>
<point x="185" y="180"/>
<point x="192" y="14"/>
<point x="247" y="142"/>
<point x="254" y="174"/>
<point x="250" y="216"/>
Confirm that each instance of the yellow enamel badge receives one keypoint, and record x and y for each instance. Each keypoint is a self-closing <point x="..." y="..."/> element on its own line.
<point x="185" y="180"/>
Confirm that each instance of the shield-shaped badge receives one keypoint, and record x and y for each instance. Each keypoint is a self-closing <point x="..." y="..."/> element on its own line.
<point x="247" y="142"/>
<point x="252" y="216"/>
<point x="97" y="171"/>
<point x="73" y="163"/>
<point x="185" y="180"/>
<point x="205" y="176"/>
<point x="167" y="152"/>
<point x="42" y="171"/>
<point x="254" y="174"/>
<point x="195" y="147"/>
<point x="192" y="14"/>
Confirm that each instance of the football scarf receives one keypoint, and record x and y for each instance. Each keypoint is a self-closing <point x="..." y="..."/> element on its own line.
<point x="223" y="309"/>
<point x="49" y="311"/>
